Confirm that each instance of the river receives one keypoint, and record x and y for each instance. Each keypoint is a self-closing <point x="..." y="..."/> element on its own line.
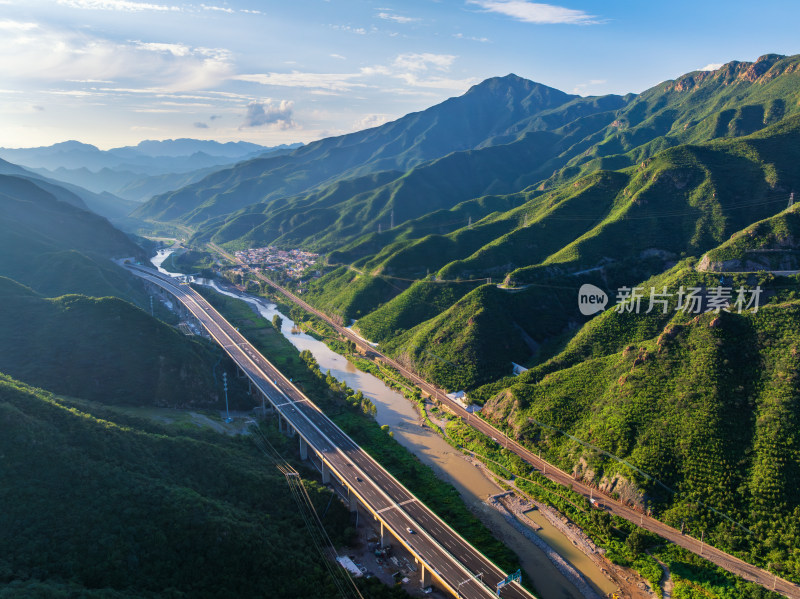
<point x="449" y="464"/>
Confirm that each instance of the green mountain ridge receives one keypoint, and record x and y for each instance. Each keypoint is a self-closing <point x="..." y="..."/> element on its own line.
<point x="563" y="136"/>
<point x="617" y="228"/>
<point x="56" y="247"/>
<point x="495" y="112"/>
<point x="102" y="349"/>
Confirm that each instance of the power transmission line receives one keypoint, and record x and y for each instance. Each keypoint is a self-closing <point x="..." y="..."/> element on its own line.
<point x="319" y="536"/>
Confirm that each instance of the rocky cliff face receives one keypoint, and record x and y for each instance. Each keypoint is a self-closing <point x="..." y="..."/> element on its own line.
<point x="767" y="67"/>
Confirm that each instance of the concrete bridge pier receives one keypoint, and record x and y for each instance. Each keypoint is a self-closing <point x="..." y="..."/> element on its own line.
<point x="353" y="500"/>
<point x="326" y="473"/>
<point x="383" y="535"/>
<point x="424" y="576"/>
<point x="303" y="449"/>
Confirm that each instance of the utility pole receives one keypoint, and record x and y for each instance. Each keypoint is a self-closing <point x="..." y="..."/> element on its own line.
<point x="391" y="222"/>
<point x="470" y="222"/>
<point x="152" y="312"/>
<point x="225" y="387"/>
<point x="791" y="200"/>
<point x="379" y="228"/>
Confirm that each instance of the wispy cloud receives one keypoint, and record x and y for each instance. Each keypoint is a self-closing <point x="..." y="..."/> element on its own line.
<point x="350" y="29"/>
<point x="78" y="57"/>
<point x="217" y="8"/>
<point x="200" y="125"/>
<point x="712" y="67"/>
<point x="534" y="12"/>
<point x="461" y="36"/>
<point x="582" y="87"/>
<point x="119" y="5"/>
<point x="421" y="62"/>
<point x="174" y="49"/>
<point x="9" y="25"/>
<point x="330" y="81"/>
<point x="369" y="121"/>
<point x="260" y="114"/>
<point x="460" y="85"/>
<point x="421" y="70"/>
<point x="387" y="16"/>
<point x="339" y="56"/>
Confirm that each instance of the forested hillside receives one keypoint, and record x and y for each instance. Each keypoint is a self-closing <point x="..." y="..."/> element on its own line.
<point x="57" y="247"/>
<point x="96" y="504"/>
<point x="691" y="415"/>
<point x="610" y="228"/>
<point x="105" y="350"/>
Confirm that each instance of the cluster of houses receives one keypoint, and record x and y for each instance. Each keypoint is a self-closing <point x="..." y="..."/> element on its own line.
<point x="291" y="263"/>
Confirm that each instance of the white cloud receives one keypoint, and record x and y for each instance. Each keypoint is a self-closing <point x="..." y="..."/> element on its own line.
<point x="534" y="12"/>
<point x="386" y="16"/>
<point x="421" y="62"/>
<point x="329" y="81"/>
<point x="217" y="8"/>
<point x="339" y="56"/>
<point x="369" y="121"/>
<point x="461" y="36"/>
<point x="174" y="49"/>
<point x="581" y="87"/>
<point x="120" y="5"/>
<point x="375" y="70"/>
<point x="349" y="29"/>
<point x="9" y="25"/>
<point x="460" y="85"/>
<point x="712" y="67"/>
<point x="264" y="113"/>
<point x="76" y="56"/>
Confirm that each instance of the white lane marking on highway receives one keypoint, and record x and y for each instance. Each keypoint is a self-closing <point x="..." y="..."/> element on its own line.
<point x="397" y="505"/>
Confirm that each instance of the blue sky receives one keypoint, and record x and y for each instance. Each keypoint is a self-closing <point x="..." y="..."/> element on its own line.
<point x="114" y="72"/>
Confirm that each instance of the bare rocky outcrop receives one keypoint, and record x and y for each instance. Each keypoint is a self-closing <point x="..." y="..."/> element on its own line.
<point x="706" y="264"/>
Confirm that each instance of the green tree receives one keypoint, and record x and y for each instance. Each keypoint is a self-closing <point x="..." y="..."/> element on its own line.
<point x="636" y="543"/>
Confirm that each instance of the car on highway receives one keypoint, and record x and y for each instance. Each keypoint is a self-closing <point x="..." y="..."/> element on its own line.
<point x="410" y="530"/>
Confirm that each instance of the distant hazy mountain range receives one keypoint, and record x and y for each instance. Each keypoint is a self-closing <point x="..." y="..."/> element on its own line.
<point x="135" y="173"/>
